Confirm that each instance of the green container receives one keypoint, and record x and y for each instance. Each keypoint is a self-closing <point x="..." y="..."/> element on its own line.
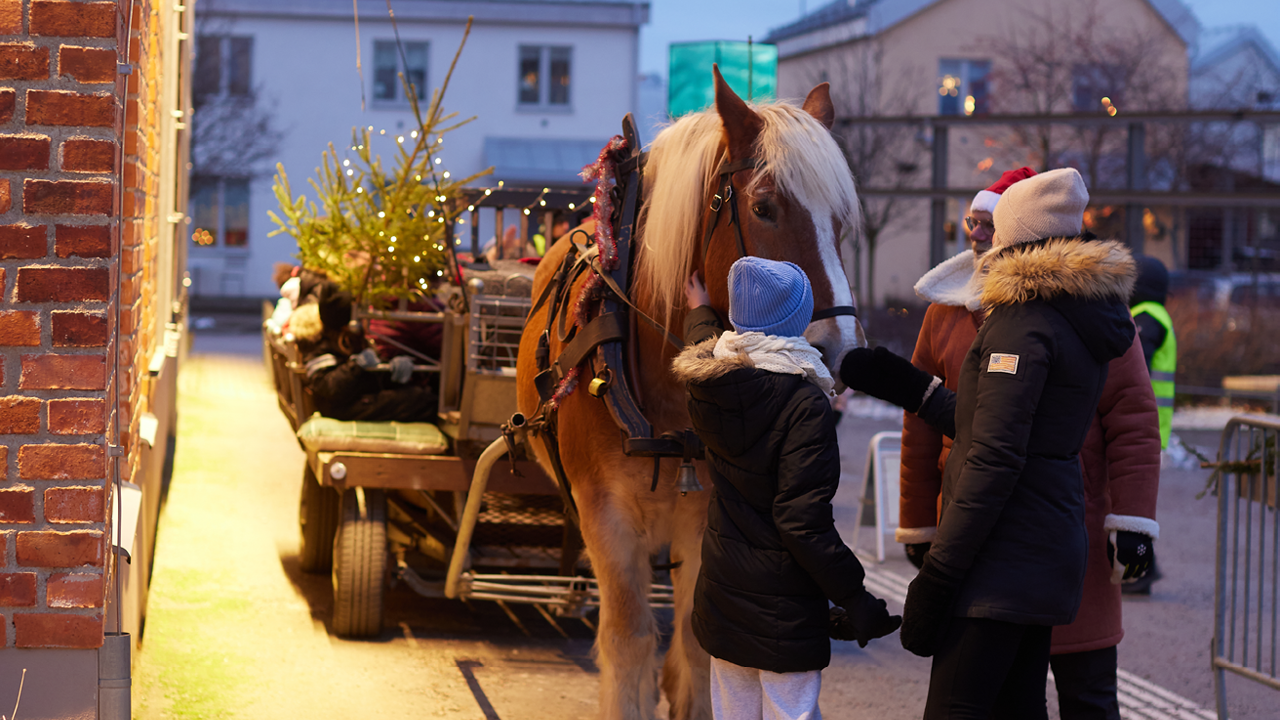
<point x="751" y="69"/>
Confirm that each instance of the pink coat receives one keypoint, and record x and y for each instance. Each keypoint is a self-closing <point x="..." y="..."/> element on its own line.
<point x="1120" y="458"/>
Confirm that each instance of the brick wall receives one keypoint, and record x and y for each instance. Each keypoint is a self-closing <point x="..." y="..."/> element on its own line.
<point x="68" y="120"/>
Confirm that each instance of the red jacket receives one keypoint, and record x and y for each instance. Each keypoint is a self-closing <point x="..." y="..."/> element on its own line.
<point x="1120" y="458"/>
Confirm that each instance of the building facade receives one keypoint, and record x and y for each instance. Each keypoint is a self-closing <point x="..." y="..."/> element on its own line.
<point x="973" y="57"/>
<point x="548" y="83"/>
<point x="92" y="201"/>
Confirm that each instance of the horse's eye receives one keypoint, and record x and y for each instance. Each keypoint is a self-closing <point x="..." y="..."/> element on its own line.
<point x="762" y="210"/>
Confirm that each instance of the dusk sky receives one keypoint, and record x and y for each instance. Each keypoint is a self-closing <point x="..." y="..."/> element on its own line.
<point x="688" y="20"/>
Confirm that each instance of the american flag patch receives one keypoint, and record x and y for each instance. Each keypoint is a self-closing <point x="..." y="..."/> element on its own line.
<point x="1003" y="362"/>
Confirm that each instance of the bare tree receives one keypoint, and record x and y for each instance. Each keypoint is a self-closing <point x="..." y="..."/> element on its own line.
<point x="880" y="156"/>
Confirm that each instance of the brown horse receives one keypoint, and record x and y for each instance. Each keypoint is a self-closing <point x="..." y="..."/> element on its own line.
<point x="795" y="203"/>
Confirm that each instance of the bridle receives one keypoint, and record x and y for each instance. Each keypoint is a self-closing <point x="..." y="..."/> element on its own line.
<point x="726" y="197"/>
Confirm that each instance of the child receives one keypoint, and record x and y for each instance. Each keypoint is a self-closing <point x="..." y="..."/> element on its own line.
<point x="771" y="555"/>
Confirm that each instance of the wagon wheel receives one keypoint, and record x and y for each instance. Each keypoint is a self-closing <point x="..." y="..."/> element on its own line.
<point x="360" y="564"/>
<point x="318" y="519"/>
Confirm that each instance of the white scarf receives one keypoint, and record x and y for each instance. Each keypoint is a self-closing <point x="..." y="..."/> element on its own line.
<point x="786" y="355"/>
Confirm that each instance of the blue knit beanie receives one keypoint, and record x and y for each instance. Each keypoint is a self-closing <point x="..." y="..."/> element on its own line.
<point x="769" y="296"/>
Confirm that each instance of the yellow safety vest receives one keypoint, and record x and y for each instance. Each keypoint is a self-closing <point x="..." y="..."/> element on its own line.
<point x="1163" y="365"/>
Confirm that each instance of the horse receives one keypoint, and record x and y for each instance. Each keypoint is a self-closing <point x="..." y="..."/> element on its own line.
<point x="799" y="196"/>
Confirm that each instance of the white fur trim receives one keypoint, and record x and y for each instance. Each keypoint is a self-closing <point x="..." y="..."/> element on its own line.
<point x="950" y="283"/>
<point x="1133" y="523"/>
<point x="914" y="536"/>
<point x="929" y="391"/>
<point x="985" y="200"/>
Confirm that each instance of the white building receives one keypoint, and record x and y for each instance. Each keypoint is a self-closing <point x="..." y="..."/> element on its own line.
<point x="549" y="82"/>
<point x="1235" y="67"/>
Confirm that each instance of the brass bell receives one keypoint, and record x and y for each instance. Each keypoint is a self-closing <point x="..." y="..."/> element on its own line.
<point x="597" y="387"/>
<point x="687" y="479"/>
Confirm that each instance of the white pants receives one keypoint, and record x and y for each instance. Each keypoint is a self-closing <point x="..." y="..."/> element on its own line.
<point x="739" y="693"/>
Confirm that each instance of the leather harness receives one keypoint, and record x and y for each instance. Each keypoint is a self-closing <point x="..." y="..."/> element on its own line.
<point x="610" y="334"/>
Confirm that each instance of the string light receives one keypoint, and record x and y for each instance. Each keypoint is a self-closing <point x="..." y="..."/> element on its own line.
<point x="393" y="238"/>
<point x="382" y="132"/>
<point x="350" y="173"/>
<point x="471" y="208"/>
<point x="400" y="139"/>
<point x="437" y="161"/>
<point x="413" y="134"/>
<point x="487" y="192"/>
<point x="446" y="174"/>
<point x="570" y="206"/>
<point x="359" y="189"/>
<point x="345" y="163"/>
<point x="382" y="214"/>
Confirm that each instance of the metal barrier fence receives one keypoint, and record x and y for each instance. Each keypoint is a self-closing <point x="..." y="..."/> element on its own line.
<point x="1246" y="601"/>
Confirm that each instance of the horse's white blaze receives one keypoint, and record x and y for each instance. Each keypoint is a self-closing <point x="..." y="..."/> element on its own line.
<point x="836" y="335"/>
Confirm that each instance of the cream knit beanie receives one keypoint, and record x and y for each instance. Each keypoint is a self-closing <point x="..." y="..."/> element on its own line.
<point x="1050" y="204"/>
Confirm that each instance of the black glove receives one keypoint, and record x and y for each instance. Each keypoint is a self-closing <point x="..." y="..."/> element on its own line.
<point x="931" y="597"/>
<point x="1134" y="550"/>
<point x="881" y="374"/>
<point x="863" y="619"/>
<point x="916" y="551"/>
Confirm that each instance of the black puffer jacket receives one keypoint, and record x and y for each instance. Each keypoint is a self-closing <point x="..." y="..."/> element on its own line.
<point x="771" y="555"/>
<point x="1012" y="529"/>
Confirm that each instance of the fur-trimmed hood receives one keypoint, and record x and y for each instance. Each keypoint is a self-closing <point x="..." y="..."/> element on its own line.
<point x="698" y="363"/>
<point x="951" y="283"/>
<point x="1057" y="267"/>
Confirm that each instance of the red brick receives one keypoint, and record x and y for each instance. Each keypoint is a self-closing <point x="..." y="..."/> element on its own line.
<point x="61" y="462"/>
<point x="74" y="590"/>
<point x="10" y="24"/>
<point x="78" y="416"/>
<point x="18" y="589"/>
<point x="19" y="328"/>
<point x="8" y="98"/>
<point x="6" y="199"/>
<point x="50" y="549"/>
<point x="4" y="473"/>
<point x="67" y="197"/>
<point x="73" y="19"/>
<point x="23" y="61"/>
<point x="87" y="155"/>
<point x="77" y="329"/>
<point x="73" y="505"/>
<point x="17" y="505"/>
<point x="19" y="415"/>
<point x="24" y="152"/>
<point x="57" y="630"/>
<point x="88" y="65"/>
<point x="62" y="107"/>
<point x="36" y="284"/>
<point x="63" y="372"/>
<point x="87" y="241"/>
<point x="23" y="242"/>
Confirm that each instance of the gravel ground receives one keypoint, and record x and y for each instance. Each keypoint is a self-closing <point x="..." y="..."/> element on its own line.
<point x="235" y="630"/>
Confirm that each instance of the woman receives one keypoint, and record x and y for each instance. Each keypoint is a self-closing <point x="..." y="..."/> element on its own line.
<point x="1008" y="560"/>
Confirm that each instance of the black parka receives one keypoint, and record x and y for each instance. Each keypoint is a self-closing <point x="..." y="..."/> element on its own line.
<point x="771" y="555"/>
<point x="1012" y="527"/>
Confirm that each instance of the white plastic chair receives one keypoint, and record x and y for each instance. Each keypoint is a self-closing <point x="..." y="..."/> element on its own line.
<point x="884" y="454"/>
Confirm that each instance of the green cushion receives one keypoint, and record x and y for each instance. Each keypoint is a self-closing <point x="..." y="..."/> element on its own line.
<point x="322" y="434"/>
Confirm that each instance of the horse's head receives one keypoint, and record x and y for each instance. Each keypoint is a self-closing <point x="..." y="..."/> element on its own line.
<point x="795" y="199"/>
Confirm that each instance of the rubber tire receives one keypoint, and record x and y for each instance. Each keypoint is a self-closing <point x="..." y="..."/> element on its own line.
<point x="318" y="512"/>
<point x="360" y="565"/>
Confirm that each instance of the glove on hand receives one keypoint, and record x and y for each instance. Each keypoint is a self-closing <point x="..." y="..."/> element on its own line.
<point x="881" y="374"/>
<point x="864" y="619"/>
<point x="916" y="552"/>
<point x="1133" y="551"/>
<point x="366" y="359"/>
<point x="931" y="598"/>
<point x="401" y="369"/>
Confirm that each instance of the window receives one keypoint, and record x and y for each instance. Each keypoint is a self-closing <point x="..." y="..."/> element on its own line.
<point x="1096" y="88"/>
<point x="224" y="67"/>
<point x="964" y="86"/>
<point x="220" y="211"/>
<point x="388" y="63"/>
<point x="545" y="75"/>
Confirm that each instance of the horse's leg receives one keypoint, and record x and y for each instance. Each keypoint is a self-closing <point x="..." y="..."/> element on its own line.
<point x="626" y="641"/>
<point x="686" y="671"/>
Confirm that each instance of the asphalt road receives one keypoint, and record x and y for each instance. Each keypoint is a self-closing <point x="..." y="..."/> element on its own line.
<point x="235" y="630"/>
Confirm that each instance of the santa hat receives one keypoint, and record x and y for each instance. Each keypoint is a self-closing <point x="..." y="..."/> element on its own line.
<point x="986" y="200"/>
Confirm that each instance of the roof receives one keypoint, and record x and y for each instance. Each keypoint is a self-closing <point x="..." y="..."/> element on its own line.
<point x="1217" y="44"/>
<point x="880" y="15"/>
<point x="626" y="13"/>
<point x="540" y="160"/>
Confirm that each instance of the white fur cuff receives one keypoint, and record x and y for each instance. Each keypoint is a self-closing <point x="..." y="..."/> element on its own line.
<point x="914" y="536"/>
<point x="1133" y="523"/>
<point x="929" y="391"/>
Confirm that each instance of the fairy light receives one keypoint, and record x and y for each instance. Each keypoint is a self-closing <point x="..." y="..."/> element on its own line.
<point x="417" y="258"/>
<point x="370" y="128"/>
<point x="350" y="173"/>
<point x="439" y="273"/>
<point x="431" y="214"/>
<point x="526" y="211"/>
<point x="593" y="199"/>
<point x="400" y="139"/>
<point x="488" y="192"/>
<point x="446" y="174"/>
<point x="418" y="178"/>
<point x="345" y="163"/>
<point x="414" y="134"/>
<point x="570" y="206"/>
<point x="543" y="203"/>
<point x="471" y="208"/>
<point x="437" y="161"/>
<point x="393" y="238"/>
<point x="359" y="189"/>
<point x="382" y="132"/>
<point x="381" y="214"/>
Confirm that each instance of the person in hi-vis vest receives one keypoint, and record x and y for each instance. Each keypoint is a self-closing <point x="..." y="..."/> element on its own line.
<point x="1160" y="346"/>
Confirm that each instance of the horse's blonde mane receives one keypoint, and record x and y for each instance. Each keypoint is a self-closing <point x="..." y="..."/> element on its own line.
<point x="685" y="159"/>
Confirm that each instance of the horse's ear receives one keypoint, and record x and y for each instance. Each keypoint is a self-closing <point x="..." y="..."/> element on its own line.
<point x="741" y="124"/>
<point x="818" y="104"/>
